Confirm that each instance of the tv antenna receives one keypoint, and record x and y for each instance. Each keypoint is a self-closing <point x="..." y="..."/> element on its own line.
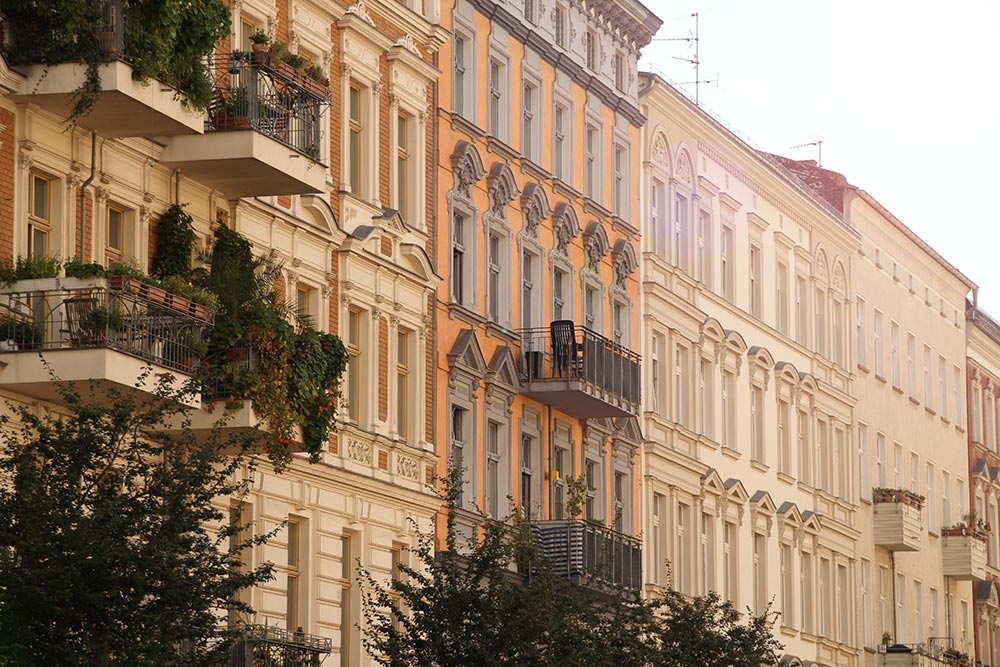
<point x="696" y="62"/>
<point x="819" y="150"/>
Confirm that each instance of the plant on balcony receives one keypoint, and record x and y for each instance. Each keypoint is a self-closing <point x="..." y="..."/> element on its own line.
<point x="175" y="237"/>
<point x="28" y="268"/>
<point x="970" y="524"/>
<point x="99" y="321"/>
<point x="74" y="267"/>
<point x="18" y="333"/>
<point x="108" y="555"/>
<point x="881" y="494"/>
<point x="171" y="41"/>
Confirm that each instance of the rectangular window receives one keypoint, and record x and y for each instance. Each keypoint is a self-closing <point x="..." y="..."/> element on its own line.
<point x="881" y="460"/>
<point x="619" y="320"/>
<point x="527" y="290"/>
<point x="862" y="333"/>
<point x="956" y="394"/>
<point x="705" y="248"/>
<point x="292" y="593"/>
<point x="354" y="365"/>
<point x="681" y="377"/>
<point x="458" y="77"/>
<point x="864" y="473"/>
<point x="844" y="595"/>
<point x="728" y="275"/>
<point x="620" y="496"/>
<point x="355" y="130"/>
<point x="559" y="141"/>
<point x="821" y="333"/>
<point x="911" y="364"/>
<point x="866" y="603"/>
<point x="824" y="467"/>
<point x="707" y="552"/>
<point x="618" y="64"/>
<point x="933" y="610"/>
<point x="247" y="28"/>
<point x="495" y="279"/>
<point x="918" y="612"/>
<point x="558" y="293"/>
<point x="807" y="575"/>
<point x="897" y="466"/>
<point x="559" y="458"/>
<point x="839" y="333"/>
<point x="781" y="299"/>
<point x="825" y="598"/>
<point x="914" y="472"/>
<point x="115" y="239"/>
<point x="458" y="263"/>
<point x="403" y="166"/>
<point x="945" y="498"/>
<point x="884" y="596"/>
<point x="457" y="444"/>
<point x="39" y="216"/>
<point x="801" y="311"/>
<point x="730" y="563"/>
<point x="879" y="335"/>
<point x="493" y="469"/>
<point x="682" y="235"/>
<point x="932" y="523"/>
<point x="928" y="378"/>
<point x="682" y="553"/>
<point x="590" y="49"/>
<point x="759" y="573"/>
<point x="943" y="385"/>
<point x="757" y="424"/>
<point x="403" y="384"/>
<point x="897" y="381"/>
<point x="619" y="196"/>
<point x="756" y="281"/>
<point x="529" y="10"/>
<point x="658" y="405"/>
<point x="729" y="437"/>
<point x="591" y="476"/>
<point x="590" y="307"/>
<point x="528" y="120"/>
<point x="707" y="399"/>
<point x="590" y="161"/>
<point x="496" y="98"/>
<point x="659" y="516"/>
<point x="842" y="464"/>
<point x="787" y="587"/>
<point x="805" y="460"/>
<point x="346" y="619"/>
<point x="559" y="25"/>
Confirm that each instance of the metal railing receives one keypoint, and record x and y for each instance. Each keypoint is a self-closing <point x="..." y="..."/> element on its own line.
<point x="275" y="101"/>
<point x="581" y="551"/>
<point x="263" y="646"/>
<point x="111" y="29"/>
<point x="564" y="350"/>
<point x="99" y="317"/>
<point x="934" y="652"/>
<point x="226" y="373"/>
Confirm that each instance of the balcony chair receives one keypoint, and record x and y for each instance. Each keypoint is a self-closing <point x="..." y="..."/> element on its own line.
<point x="77" y="310"/>
<point x="565" y="350"/>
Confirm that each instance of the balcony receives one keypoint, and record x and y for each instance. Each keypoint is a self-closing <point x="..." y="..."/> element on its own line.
<point x="262" y="646"/>
<point x="591" y="554"/>
<point x="100" y="331"/>
<point x="262" y="135"/>
<point x="897" y="519"/>
<point x="935" y="652"/>
<point x="963" y="554"/>
<point x="579" y="372"/>
<point x="125" y="107"/>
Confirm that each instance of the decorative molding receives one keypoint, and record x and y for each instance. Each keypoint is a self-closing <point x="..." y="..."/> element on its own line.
<point x="360" y="451"/>
<point x="359" y="10"/>
<point x="407" y="467"/>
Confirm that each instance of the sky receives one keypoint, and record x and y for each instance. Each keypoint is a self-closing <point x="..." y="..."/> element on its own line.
<point x="903" y="94"/>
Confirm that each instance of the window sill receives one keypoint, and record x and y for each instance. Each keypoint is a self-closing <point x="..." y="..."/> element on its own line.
<point x="463" y="124"/>
<point x="788" y="630"/>
<point x="930" y="410"/>
<point x="532" y="168"/>
<point x="880" y="378"/>
<point x="497" y="145"/>
<point x="500" y="331"/>
<point x="898" y="390"/>
<point x="467" y="315"/>
<point x="945" y="419"/>
<point x="863" y="368"/>
<point x="786" y="478"/>
<point x="758" y="466"/>
<point x="914" y="400"/>
<point x="731" y="453"/>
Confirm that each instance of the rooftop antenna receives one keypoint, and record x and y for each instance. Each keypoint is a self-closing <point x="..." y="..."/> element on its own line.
<point x="819" y="150"/>
<point x="696" y="62"/>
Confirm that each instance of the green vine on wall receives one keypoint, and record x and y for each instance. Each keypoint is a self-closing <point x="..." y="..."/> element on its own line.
<point x="165" y="40"/>
<point x="175" y="237"/>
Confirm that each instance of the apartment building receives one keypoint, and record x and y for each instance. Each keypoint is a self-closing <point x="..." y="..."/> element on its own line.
<point x="336" y="184"/>
<point x="537" y="315"/>
<point x="919" y="551"/>
<point x="750" y="481"/>
<point x="982" y="381"/>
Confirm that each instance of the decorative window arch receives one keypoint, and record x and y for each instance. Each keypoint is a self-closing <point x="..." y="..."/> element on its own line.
<point x="596" y="247"/>
<point x="565" y="228"/>
<point x="467" y="170"/>
<point x="467" y="369"/>
<point x="838" y="305"/>
<point x="821" y="321"/>
<point x="502" y="385"/>
<point x="659" y="167"/>
<point x="681" y="212"/>
<point x="623" y="264"/>
<point x="531" y="254"/>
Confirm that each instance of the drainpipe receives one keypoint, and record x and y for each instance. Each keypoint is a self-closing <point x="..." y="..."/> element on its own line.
<point x="83" y="196"/>
<point x="177" y="187"/>
<point x="892" y="570"/>
<point x="433" y="241"/>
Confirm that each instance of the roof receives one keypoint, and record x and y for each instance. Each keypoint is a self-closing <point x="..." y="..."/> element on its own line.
<point x="982" y="321"/>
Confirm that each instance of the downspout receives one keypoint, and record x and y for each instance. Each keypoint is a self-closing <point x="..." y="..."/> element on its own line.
<point x="83" y="195"/>
<point x="892" y="570"/>
<point x="433" y="238"/>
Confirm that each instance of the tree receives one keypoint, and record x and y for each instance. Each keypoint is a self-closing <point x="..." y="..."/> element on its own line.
<point x="492" y="600"/>
<point x="106" y="552"/>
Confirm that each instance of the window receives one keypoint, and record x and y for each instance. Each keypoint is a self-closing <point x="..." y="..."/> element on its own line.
<point x="864" y="474"/>
<point x="704" y="268"/>
<point x="528" y="96"/>
<point x="756" y="280"/>
<point x="529" y="10"/>
<point x="590" y="48"/>
<point x="945" y="499"/>
<point x="801" y="311"/>
<point x="657" y="218"/>
<point x="825" y="598"/>
<point x="654" y="374"/>
<point x="461" y="269"/>
<point x="897" y="466"/>
<point x="932" y="523"/>
<point x="528" y="262"/>
<point x="878" y="335"/>
<point x="590" y="307"/>
<point x="880" y="460"/>
<point x="495" y="278"/>
<point x="862" y="331"/>
<point x="928" y="381"/>
<point x="821" y="333"/>
<point x="897" y="381"/>
<point x="403" y="384"/>
<point x="292" y="593"/>
<point x="839" y="333"/>
<point x="619" y="194"/>
<point x="559" y="25"/>
<point x="727" y="270"/>
<point x="403" y="175"/>
<point x="618" y="64"/>
<point x="619" y="322"/>
<point x="497" y="112"/>
<point x="730" y="563"/>
<point x="559" y="458"/>
<point x="844" y="595"/>
<point x="681" y="234"/>
<point x="956" y="393"/>
<point x="39" y="216"/>
<point x="842" y="464"/>
<point x="757" y="423"/>
<point x="247" y="28"/>
<point x="781" y="299"/>
<point x="824" y="469"/>
<point x="354" y="365"/>
<point x="590" y="161"/>
<point x="977" y="417"/>
<point x="918" y="612"/>
<point x="885" y="615"/>
<point x="706" y="399"/>
<point x="346" y="618"/>
<point x="620" y="502"/>
<point x="943" y="386"/>
<point x="911" y="364"/>
<point x="807" y="593"/>
<point x="914" y="472"/>
<point x="729" y="438"/>
<point x="592" y="478"/>
<point x="458" y="426"/>
<point x="527" y="474"/>
<point x="787" y="587"/>
<point x="493" y="469"/>
<point x="304" y="301"/>
<point x="681" y="377"/>
<point x="805" y="460"/>
<point x="559" y="143"/>
<point x="682" y="560"/>
<point x="659" y="514"/>
<point x="558" y="293"/>
<point x="759" y="572"/>
<point x="934" y="601"/>
<point x="707" y="552"/>
<point x="459" y="58"/>
<point x="355" y="131"/>
<point x="115" y="234"/>
<point x="866" y="603"/>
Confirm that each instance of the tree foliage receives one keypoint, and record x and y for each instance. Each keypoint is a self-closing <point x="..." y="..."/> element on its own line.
<point x="467" y="605"/>
<point x="106" y="552"/>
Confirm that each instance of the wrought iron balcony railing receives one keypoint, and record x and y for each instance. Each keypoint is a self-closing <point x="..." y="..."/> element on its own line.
<point x="573" y="358"/>
<point x="148" y="325"/>
<point x="263" y="646"/>
<point x="275" y="101"/>
<point x="586" y="552"/>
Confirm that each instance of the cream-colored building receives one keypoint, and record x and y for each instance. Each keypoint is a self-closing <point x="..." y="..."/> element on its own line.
<point x="750" y="480"/>
<point x="311" y="190"/>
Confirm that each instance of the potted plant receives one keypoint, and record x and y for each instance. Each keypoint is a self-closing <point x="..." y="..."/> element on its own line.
<point x="260" y="43"/>
<point x="19" y="334"/>
<point x="887" y="495"/>
<point x="234" y="111"/>
<point x="316" y="81"/>
<point x="279" y="55"/>
<point x="96" y="324"/>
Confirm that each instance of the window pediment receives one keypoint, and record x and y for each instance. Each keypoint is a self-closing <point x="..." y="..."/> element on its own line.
<point x="467" y="356"/>
<point x="566" y="226"/>
<point x="467" y="168"/>
<point x="624" y="262"/>
<point x="534" y="208"/>
<point x="503" y="371"/>
<point x="502" y="188"/>
<point x="596" y="245"/>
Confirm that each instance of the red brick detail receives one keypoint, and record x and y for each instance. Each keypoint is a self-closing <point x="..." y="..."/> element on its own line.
<point x="285" y="201"/>
<point x="383" y="369"/>
<point x="79" y="251"/>
<point x="429" y="475"/>
<point x="383" y="459"/>
<point x="386" y="246"/>
<point x="281" y="30"/>
<point x="7" y="185"/>
<point x="279" y="289"/>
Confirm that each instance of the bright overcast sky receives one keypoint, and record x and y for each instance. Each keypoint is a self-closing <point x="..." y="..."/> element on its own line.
<point x="902" y="93"/>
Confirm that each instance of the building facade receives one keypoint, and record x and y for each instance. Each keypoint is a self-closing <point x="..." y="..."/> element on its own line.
<point x="307" y="177"/>
<point x="749" y="478"/>
<point x="537" y="318"/>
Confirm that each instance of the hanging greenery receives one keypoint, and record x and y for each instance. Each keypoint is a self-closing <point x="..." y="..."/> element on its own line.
<point x="175" y="238"/>
<point x="165" y="40"/>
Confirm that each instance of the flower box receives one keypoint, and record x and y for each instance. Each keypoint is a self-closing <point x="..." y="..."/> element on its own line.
<point x="316" y="88"/>
<point x="910" y="498"/>
<point x="963" y="556"/>
<point x="159" y="295"/>
<point x="897" y="525"/>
